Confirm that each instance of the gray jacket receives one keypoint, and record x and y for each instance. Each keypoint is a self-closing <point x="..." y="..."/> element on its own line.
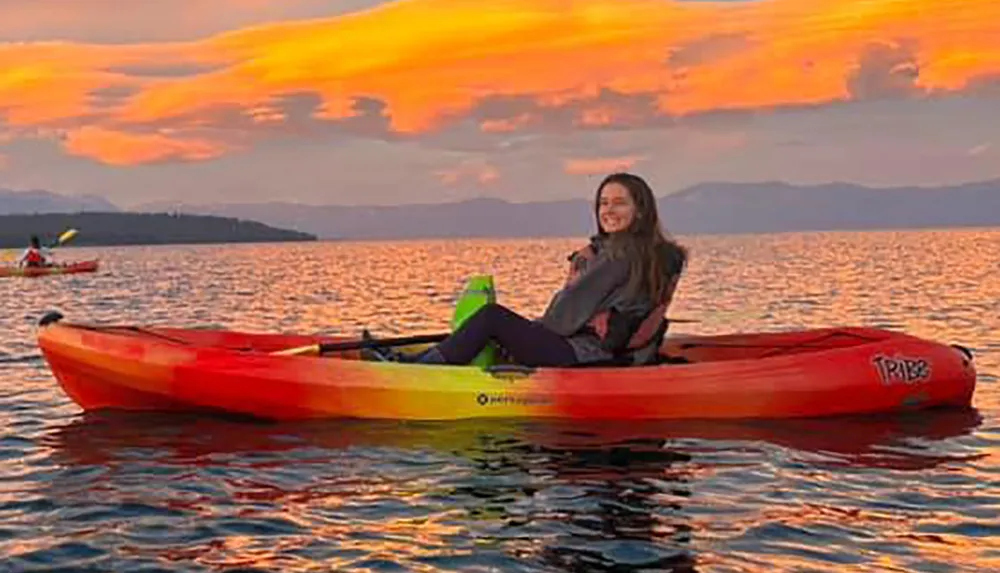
<point x="601" y="286"/>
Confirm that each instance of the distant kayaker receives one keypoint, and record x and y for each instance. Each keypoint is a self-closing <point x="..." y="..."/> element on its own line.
<point x="35" y="255"/>
<point x="610" y="310"/>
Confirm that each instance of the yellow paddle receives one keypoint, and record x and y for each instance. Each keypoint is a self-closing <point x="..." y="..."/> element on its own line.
<point x="64" y="237"/>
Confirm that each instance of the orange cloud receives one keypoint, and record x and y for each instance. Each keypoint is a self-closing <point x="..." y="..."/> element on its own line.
<point x="505" y="125"/>
<point x="36" y="90"/>
<point x="600" y="165"/>
<point x="53" y="82"/>
<point x="431" y="62"/>
<point x="478" y="171"/>
<point x="120" y="148"/>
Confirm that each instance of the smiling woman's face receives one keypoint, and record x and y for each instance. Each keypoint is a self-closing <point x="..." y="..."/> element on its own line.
<point x="615" y="209"/>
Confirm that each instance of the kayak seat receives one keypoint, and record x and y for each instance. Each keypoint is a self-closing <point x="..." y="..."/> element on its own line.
<point x="648" y="356"/>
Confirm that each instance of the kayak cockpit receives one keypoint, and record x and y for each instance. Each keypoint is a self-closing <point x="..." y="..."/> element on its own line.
<point x="681" y="349"/>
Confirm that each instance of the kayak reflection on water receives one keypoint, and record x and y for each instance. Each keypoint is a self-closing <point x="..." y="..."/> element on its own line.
<point x="570" y="495"/>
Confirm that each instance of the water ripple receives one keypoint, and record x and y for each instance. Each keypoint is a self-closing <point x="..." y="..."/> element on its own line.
<point x="151" y="492"/>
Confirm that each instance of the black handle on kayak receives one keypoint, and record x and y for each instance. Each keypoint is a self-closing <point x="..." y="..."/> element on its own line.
<point x="510" y="370"/>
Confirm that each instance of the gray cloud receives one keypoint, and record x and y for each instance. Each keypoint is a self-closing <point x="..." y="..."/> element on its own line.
<point x="298" y="114"/>
<point x="371" y="119"/>
<point x="885" y="71"/>
<point x="164" y="70"/>
<point x="112" y="97"/>
<point x="988" y="85"/>
<point x="528" y="119"/>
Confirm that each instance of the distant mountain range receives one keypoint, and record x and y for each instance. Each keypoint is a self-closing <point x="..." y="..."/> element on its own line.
<point x="139" y="229"/>
<point x="31" y="202"/>
<point x="709" y="208"/>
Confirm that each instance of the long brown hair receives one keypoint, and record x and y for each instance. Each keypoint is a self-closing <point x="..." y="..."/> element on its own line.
<point x="654" y="257"/>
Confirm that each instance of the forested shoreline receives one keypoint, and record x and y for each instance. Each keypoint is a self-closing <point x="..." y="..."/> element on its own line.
<point x="140" y="229"/>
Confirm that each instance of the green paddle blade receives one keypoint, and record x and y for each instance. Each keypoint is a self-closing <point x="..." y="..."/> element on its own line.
<point x="478" y="293"/>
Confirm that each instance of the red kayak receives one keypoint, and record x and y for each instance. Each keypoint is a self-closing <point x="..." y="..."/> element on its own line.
<point x="64" y="269"/>
<point x="808" y="373"/>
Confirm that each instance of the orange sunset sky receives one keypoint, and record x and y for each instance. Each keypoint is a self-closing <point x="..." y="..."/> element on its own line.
<point x="437" y="100"/>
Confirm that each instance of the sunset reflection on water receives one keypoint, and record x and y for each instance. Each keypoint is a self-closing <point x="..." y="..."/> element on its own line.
<point x="901" y="493"/>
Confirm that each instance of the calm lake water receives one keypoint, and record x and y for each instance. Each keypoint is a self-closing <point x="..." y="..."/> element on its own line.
<point x="168" y="493"/>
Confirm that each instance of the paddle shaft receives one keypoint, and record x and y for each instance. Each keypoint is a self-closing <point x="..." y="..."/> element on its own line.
<point x="325" y="347"/>
<point x="346" y="345"/>
<point x="397" y="341"/>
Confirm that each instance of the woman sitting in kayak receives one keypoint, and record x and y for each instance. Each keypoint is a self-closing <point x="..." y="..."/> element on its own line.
<point x="612" y="306"/>
<point x="35" y="255"/>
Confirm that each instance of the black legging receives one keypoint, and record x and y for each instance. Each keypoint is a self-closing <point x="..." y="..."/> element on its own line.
<point x="526" y="342"/>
